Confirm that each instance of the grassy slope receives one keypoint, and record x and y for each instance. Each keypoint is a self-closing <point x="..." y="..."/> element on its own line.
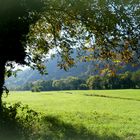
<point x="114" y="116"/>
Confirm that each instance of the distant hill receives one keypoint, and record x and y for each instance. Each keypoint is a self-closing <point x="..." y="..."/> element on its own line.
<point x="82" y="70"/>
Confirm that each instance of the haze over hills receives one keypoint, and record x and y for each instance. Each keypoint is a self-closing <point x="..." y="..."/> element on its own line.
<point x="82" y="70"/>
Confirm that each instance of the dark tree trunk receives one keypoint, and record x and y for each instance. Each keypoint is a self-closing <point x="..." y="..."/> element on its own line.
<point x="2" y="79"/>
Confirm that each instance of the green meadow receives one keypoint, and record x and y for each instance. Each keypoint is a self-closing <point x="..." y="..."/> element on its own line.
<point x="83" y="115"/>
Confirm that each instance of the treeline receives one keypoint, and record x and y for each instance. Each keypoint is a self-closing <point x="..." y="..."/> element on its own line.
<point x="121" y="81"/>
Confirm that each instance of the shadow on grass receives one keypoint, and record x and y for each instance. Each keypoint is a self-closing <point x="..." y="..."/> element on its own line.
<point x="59" y="130"/>
<point x="30" y="125"/>
<point x="9" y="126"/>
<point x="18" y="127"/>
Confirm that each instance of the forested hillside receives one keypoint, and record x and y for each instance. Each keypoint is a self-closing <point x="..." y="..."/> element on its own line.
<point x="81" y="70"/>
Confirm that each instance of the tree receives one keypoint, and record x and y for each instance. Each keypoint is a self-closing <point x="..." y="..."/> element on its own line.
<point x="59" y="84"/>
<point x="72" y="83"/>
<point x="42" y="85"/>
<point x="108" y="29"/>
<point x="136" y="78"/>
<point x="94" y="82"/>
<point x="126" y="80"/>
<point x="16" y="16"/>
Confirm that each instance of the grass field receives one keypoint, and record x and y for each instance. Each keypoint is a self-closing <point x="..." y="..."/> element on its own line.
<point x="95" y="114"/>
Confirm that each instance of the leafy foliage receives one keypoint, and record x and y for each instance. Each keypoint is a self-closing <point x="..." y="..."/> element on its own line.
<point x="17" y="122"/>
<point x="107" y="29"/>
